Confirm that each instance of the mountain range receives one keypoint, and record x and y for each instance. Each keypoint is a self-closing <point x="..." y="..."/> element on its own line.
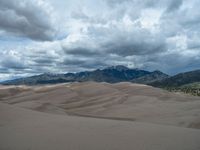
<point x="115" y="74"/>
<point x="112" y="74"/>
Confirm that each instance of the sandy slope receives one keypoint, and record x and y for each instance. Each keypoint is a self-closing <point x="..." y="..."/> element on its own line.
<point x="23" y="129"/>
<point x="122" y="101"/>
<point x="134" y="114"/>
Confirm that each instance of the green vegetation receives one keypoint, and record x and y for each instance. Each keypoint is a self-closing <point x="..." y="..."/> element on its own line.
<point x="192" y="88"/>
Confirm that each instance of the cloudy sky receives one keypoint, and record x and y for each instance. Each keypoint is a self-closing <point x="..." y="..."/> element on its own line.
<point x="38" y="36"/>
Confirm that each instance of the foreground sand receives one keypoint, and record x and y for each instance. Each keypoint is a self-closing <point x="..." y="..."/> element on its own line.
<point x="23" y="129"/>
<point x="121" y="116"/>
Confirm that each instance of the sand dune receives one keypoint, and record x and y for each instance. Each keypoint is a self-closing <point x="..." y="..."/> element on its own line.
<point x="121" y="101"/>
<point x="114" y="117"/>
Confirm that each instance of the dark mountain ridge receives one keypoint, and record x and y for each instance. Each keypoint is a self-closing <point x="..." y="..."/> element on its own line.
<point x="150" y="78"/>
<point x="179" y="79"/>
<point x="112" y="74"/>
<point x="188" y="82"/>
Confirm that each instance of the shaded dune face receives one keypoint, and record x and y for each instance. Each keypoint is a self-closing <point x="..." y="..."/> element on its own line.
<point x="24" y="129"/>
<point x="122" y="101"/>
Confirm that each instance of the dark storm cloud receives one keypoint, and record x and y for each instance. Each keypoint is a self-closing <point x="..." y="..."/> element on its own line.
<point x="156" y="34"/>
<point x="44" y="61"/>
<point x="81" y="51"/>
<point x="129" y="49"/>
<point x="4" y="70"/>
<point x="124" y="43"/>
<point x="174" y="5"/>
<point x="12" y="64"/>
<point x="115" y="41"/>
<point x="43" y="58"/>
<point x="135" y="44"/>
<point x="72" y="62"/>
<point x="26" y="18"/>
